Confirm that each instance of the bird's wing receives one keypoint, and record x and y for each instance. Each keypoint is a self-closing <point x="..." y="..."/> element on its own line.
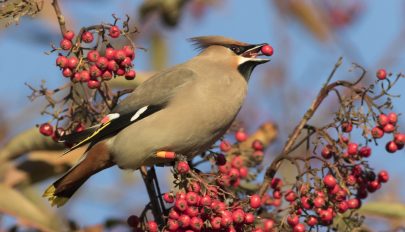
<point x="151" y="96"/>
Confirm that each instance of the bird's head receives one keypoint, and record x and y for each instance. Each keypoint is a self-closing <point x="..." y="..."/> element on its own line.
<point x="240" y="55"/>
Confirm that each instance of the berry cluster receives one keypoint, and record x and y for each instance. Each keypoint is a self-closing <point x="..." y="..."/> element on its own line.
<point x="82" y="64"/>
<point x="205" y="202"/>
<point x="89" y="60"/>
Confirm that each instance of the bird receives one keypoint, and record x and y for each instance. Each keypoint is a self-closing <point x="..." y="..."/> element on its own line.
<point x="183" y="110"/>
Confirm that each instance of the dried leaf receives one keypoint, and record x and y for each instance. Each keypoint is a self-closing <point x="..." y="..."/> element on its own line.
<point x="29" y="140"/>
<point x="389" y="210"/>
<point x="15" y="204"/>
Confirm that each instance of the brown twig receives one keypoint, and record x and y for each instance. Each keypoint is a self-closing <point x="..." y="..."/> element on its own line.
<point x="61" y="18"/>
<point x="323" y="93"/>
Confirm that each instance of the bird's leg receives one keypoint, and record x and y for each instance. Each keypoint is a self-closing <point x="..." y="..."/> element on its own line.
<point x="153" y="189"/>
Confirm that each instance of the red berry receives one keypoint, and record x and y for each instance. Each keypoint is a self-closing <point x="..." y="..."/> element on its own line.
<point x="194" y="187"/>
<point x="205" y="200"/>
<point x="305" y="203"/>
<point x="267" y="50"/>
<point x="240" y="136"/>
<point x="352" y="148"/>
<point x="383" y="176"/>
<point x="181" y="204"/>
<point x="234" y="173"/>
<point x="276" y="183"/>
<point x="258" y="156"/>
<point x="110" y="53"/>
<point x="93" y="84"/>
<point x="290" y="196"/>
<point x="216" y="223"/>
<point x="46" y="129"/>
<point x="238" y="216"/>
<point x="391" y="147"/>
<point x="129" y="52"/>
<point x="73" y="62"/>
<point x="326" y="215"/>
<point x="237" y="162"/>
<point x="257" y="145"/>
<point x="377" y="132"/>
<point x="172" y="225"/>
<point x="62" y="61"/>
<point x="133" y="221"/>
<point x="255" y="201"/>
<point x="399" y="139"/>
<point x="182" y="167"/>
<point x="107" y="75"/>
<point x="196" y="223"/>
<point x="152" y="226"/>
<point x="373" y="186"/>
<point x="94" y="71"/>
<point x="249" y="218"/>
<point x="192" y="198"/>
<point x="365" y="151"/>
<point x="353" y="203"/>
<point x="66" y="44"/>
<point x="268" y="225"/>
<point x="102" y="63"/>
<point x="192" y="211"/>
<point x="114" y="32"/>
<point x="319" y="202"/>
<point x="389" y="128"/>
<point x="312" y="221"/>
<point x="381" y="74"/>
<point x="84" y="76"/>
<point x="299" y="228"/>
<point x="329" y="181"/>
<point x="184" y="221"/>
<point x="130" y="75"/>
<point x="347" y="127"/>
<point x="67" y="72"/>
<point x="126" y="62"/>
<point x="168" y="198"/>
<point x="293" y="220"/>
<point x="87" y="37"/>
<point x="327" y="152"/>
<point x="119" y="55"/>
<point x="226" y="221"/>
<point x="93" y="55"/>
<point x="392" y="118"/>
<point x="343" y="207"/>
<point x="224" y="169"/>
<point x="120" y="72"/>
<point x="112" y="66"/>
<point x="383" y="119"/>
<point x="69" y="35"/>
<point x="225" y="146"/>
<point x="243" y="172"/>
<point x="173" y="214"/>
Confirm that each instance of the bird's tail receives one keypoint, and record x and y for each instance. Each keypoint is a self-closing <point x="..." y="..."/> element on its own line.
<point x="96" y="159"/>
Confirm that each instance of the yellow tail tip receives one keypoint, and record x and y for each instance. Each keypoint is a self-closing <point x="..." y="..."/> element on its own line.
<point x="54" y="200"/>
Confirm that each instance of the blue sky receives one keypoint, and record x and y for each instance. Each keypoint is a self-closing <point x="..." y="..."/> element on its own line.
<point x="309" y="62"/>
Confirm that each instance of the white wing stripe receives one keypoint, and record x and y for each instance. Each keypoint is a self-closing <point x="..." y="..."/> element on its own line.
<point x="138" y="113"/>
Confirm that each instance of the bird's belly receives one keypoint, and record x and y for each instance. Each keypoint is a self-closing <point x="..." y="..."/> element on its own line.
<point x="187" y="131"/>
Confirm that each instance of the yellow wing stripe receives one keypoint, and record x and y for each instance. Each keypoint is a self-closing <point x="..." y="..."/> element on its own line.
<point x="89" y="138"/>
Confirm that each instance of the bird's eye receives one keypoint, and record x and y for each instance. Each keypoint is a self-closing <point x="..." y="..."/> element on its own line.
<point x="235" y="49"/>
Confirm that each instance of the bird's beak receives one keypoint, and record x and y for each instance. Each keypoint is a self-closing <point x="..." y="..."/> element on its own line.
<point x="252" y="55"/>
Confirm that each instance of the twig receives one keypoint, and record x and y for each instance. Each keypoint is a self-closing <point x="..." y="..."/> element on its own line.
<point x="61" y="18"/>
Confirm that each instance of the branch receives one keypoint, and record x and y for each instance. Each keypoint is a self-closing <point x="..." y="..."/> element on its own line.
<point x="323" y="93"/>
<point x="61" y="18"/>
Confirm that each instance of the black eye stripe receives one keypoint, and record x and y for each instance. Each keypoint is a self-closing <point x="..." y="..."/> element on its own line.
<point x="239" y="49"/>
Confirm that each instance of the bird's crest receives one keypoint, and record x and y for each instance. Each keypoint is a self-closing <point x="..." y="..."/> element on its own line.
<point x="202" y="42"/>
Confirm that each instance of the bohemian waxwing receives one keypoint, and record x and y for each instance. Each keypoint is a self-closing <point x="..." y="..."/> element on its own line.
<point x="184" y="110"/>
